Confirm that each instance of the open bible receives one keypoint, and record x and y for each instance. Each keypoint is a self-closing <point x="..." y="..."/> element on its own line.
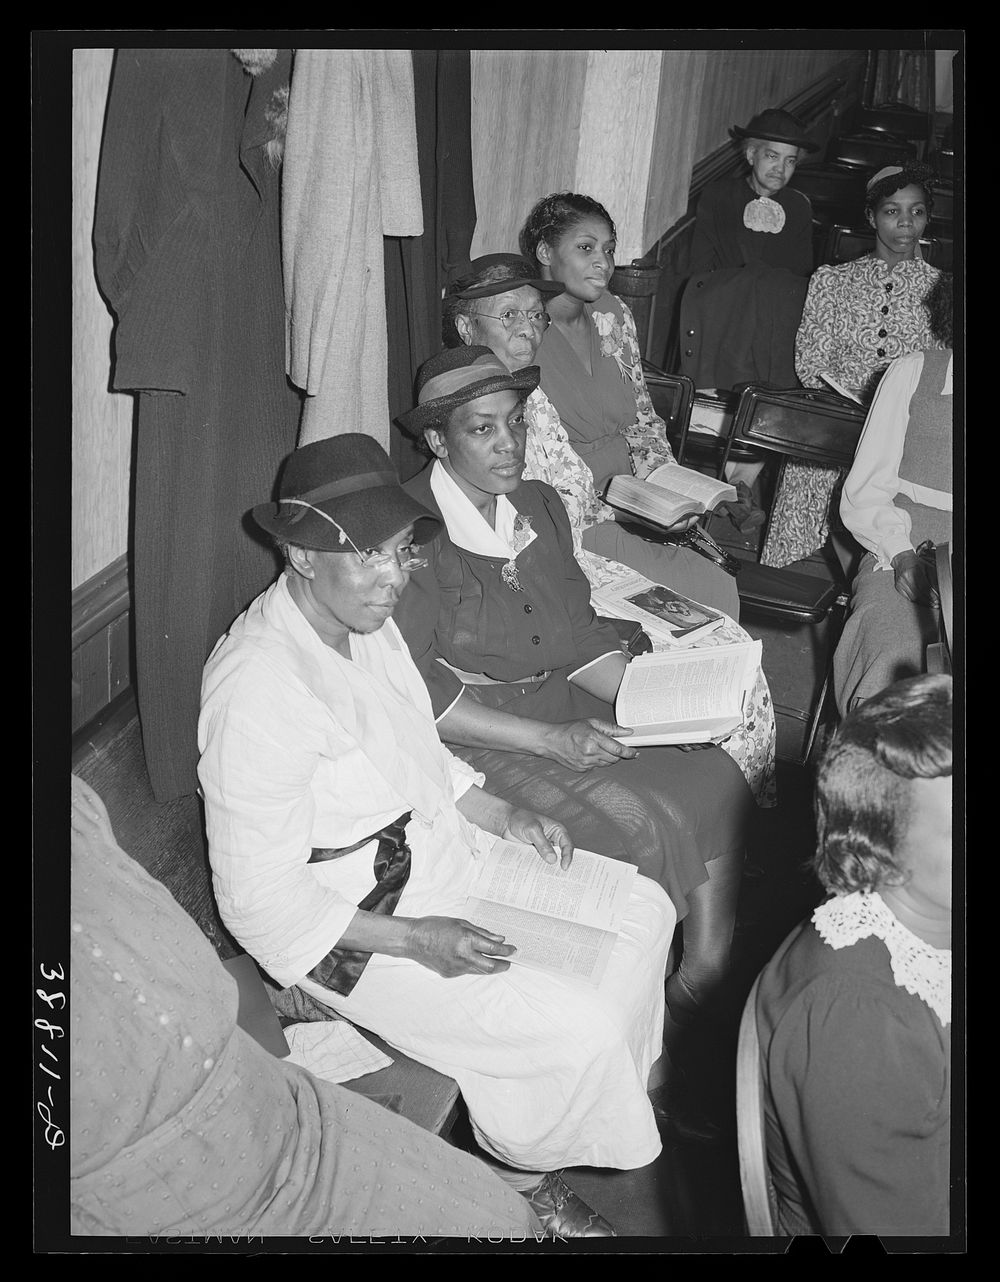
<point x="665" y="615"/>
<point x="687" y="696"/>
<point x="564" y="921"/>
<point x="670" y="493"/>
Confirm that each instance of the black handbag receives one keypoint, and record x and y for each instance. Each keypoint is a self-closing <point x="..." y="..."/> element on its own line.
<point x="696" y="538"/>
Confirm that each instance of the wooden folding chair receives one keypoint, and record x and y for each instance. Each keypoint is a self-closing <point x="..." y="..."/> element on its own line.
<point x="759" y="1200"/>
<point x="817" y="427"/>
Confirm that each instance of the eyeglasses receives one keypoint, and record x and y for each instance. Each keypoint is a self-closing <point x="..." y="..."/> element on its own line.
<point x="406" y="558"/>
<point x="512" y="316"/>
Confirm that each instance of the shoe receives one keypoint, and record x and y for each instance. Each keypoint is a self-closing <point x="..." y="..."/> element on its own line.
<point x="562" y="1213"/>
<point x="683" y="1120"/>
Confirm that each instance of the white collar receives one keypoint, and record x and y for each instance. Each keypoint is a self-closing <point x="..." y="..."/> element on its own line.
<point x="946" y="389"/>
<point x="469" y="529"/>
<point x="916" y="966"/>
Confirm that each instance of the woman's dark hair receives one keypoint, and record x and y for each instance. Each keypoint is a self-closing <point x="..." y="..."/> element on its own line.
<point x="940" y="308"/>
<point x="862" y="792"/>
<point x="555" y="215"/>
<point x="922" y="176"/>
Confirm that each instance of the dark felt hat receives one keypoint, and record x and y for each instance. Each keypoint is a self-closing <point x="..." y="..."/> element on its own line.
<point x="776" y="125"/>
<point x="497" y="274"/>
<point x="343" y="495"/>
<point x="461" y="374"/>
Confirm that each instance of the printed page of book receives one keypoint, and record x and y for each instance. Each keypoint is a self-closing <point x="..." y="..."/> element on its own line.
<point x="694" y="696"/>
<point x="665" y="614"/>
<point x="655" y="503"/>
<point x="839" y="387"/>
<point x="561" y="920"/>
<point x="691" y="484"/>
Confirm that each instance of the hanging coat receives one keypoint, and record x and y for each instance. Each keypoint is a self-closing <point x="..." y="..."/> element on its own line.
<point x="187" y="253"/>
<point x="350" y="177"/>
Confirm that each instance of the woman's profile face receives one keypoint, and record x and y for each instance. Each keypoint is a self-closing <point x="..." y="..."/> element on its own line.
<point x="582" y="258"/>
<point x="899" y="221"/>
<point x="515" y="344"/>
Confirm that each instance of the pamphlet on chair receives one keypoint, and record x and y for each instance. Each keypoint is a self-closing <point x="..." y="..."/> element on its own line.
<point x="687" y="696"/>
<point x="563" y="921"/>
<point x="670" y="493"/>
<point x="666" y="615"/>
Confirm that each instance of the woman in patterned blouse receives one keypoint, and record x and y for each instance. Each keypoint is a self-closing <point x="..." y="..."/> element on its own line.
<point x="858" y="318"/>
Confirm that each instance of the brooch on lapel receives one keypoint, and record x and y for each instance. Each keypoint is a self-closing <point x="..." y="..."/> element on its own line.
<point x="763" y="214"/>
<point x="519" y="540"/>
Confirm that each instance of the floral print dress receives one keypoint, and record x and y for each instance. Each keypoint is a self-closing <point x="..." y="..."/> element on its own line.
<point x="858" y="318"/>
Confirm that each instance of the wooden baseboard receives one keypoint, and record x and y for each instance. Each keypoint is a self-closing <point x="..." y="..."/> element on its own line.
<point x="101" y="642"/>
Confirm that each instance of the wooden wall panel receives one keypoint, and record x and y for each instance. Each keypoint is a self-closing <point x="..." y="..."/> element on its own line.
<point x="102" y="420"/>
<point x="617" y="126"/>
<point x="682" y="77"/>
<point x="741" y="82"/>
<point x="526" y="107"/>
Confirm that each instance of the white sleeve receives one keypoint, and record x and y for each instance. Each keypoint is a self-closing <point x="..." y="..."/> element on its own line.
<point x="262" y="741"/>
<point x="463" y="777"/>
<point x="866" y="504"/>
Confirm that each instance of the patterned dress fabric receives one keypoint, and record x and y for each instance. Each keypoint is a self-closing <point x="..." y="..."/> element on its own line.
<point x="858" y="318"/>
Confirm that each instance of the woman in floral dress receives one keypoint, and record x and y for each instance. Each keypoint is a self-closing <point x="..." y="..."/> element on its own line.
<point x="858" y="318"/>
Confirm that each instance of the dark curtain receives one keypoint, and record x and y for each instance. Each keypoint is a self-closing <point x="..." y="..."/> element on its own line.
<point x="417" y="267"/>
<point x="188" y="256"/>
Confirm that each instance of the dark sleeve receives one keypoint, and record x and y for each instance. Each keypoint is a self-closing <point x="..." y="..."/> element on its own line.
<point x="417" y="616"/>
<point x="859" y="1080"/>
<point x="800" y="250"/>
<point x="161" y="159"/>
<point x="591" y="638"/>
<point x="706" y="244"/>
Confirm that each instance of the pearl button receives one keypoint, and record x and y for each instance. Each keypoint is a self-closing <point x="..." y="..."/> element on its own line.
<point x="208" y="1063"/>
<point x="687" y="351"/>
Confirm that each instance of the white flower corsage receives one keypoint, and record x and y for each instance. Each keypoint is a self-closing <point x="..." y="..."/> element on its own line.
<point x="763" y="214"/>
<point x="612" y="336"/>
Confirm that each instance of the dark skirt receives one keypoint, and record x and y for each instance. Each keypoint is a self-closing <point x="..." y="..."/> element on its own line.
<point x="666" y="811"/>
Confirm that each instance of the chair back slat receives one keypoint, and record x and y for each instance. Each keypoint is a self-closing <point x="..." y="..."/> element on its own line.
<point x="811" y="425"/>
<point x="755" y="1182"/>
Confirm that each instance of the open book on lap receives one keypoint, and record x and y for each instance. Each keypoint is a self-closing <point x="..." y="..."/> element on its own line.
<point x="564" y="921"/>
<point x="687" y="696"/>
<point x="670" y="493"/>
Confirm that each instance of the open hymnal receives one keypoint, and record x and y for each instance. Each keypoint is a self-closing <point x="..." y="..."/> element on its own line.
<point x="564" y="921"/>
<point x="665" y="615"/>
<point x="689" y="696"/>
<point x="840" y="389"/>
<point x="670" y="493"/>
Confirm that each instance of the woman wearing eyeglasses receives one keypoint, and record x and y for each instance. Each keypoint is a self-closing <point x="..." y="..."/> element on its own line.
<point x="501" y="302"/>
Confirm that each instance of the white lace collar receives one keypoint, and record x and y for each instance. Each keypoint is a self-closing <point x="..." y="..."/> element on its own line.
<point x="920" y="969"/>
<point x="467" y="528"/>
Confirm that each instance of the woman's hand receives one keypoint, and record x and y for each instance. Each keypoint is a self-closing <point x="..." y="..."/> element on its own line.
<point x="684" y="524"/>
<point x="549" y="838"/>
<point x="452" y="946"/>
<point x="582" y="745"/>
